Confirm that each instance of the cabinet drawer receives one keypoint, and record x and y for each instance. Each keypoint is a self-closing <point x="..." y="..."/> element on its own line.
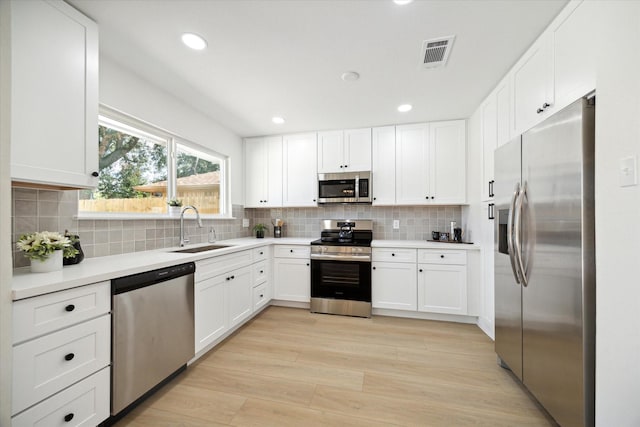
<point x="218" y="265"/>
<point x="260" y="272"/>
<point x="260" y="296"/>
<point x="34" y="317"/>
<point x="83" y="404"/>
<point x="393" y="255"/>
<point x="292" y="251"/>
<point x="444" y="256"/>
<point x="50" y="363"/>
<point x="261" y="253"/>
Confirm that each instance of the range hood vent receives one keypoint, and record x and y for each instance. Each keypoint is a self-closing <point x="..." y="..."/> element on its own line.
<point x="435" y="52"/>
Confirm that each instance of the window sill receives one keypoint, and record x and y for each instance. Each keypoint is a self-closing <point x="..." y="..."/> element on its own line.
<point x="126" y="216"/>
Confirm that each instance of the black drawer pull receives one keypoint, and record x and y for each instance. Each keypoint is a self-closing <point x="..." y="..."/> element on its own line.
<point x="393" y="254"/>
<point x="307" y="264"/>
<point x="441" y="256"/>
<point x="261" y="271"/>
<point x="261" y="253"/>
<point x="228" y="278"/>
<point x="68" y="417"/>
<point x="70" y="307"/>
<point x="374" y="268"/>
<point x="233" y="277"/>
<point x="69" y="356"/>
<point x="261" y="295"/>
<point x="420" y="270"/>
<point x="291" y="250"/>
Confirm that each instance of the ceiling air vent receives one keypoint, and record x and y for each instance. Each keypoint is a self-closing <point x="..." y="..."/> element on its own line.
<point x="435" y="52"/>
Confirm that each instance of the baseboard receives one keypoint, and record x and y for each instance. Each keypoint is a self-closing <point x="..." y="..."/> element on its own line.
<point x="486" y="326"/>
<point x="293" y="304"/>
<point x="425" y="316"/>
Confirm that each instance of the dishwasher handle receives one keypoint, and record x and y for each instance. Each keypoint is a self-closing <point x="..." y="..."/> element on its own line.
<point x="148" y="278"/>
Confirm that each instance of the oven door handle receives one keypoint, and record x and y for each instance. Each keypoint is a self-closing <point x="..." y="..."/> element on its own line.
<point x="329" y="257"/>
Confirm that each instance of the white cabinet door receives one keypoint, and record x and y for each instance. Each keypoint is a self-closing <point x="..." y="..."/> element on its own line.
<point x="54" y="103"/>
<point x="300" y="180"/>
<point x="292" y="278"/>
<point x="240" y="293"/>
<point x="210" y="306"/>
<point x="574" y="60"/>
<point x="448" y="161"/>
<point x="263" y="172"/>
<point x="442" y="288"/>
<point x="357" y="150"/>
<point x="393" y="285"/>
<point x="533" y="85"/>
<point x="412" y="164"/>
<point x="384" y="165"/>
<point x="504" y="112"/>
<point x="255" y="168"/>
<point x="331" y="152"/>
<point x="487" y="230"/>
<point x="488" y="123"/>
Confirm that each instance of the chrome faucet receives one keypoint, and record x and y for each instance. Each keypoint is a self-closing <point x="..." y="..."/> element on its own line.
<point x="183" y="238"/>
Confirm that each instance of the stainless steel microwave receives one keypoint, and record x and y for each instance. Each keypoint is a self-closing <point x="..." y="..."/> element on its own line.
<point x="344" y="187"/>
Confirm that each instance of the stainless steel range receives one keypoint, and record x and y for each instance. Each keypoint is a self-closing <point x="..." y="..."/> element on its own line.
<point x="341" y="268"/>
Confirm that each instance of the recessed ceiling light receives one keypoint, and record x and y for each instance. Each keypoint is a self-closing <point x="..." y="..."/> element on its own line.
<point x="277" y="120"/>
<point x="350" y="76"/>
<point x="402" y="2"/>
<point x="404" y="108"/>
<point x="194" y="41"/>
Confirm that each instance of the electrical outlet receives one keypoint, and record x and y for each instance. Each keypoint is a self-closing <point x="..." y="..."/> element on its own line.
<point x="245" y="222"/>
<point x="627" y="173"/>
<point x="396" y="224"/>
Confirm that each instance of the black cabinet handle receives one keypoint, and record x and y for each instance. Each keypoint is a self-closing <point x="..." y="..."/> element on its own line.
<point x="441" y="256"/>
<point x="314" y="200"/>
<point x="228" y="278"/>
<point x="375" y="198"/>
<point x="233" y="277"/>
<point x="69" y="357"/>
<point x="70" y="307"/>
<point x="420" y="270"/>
<point x="341" y="166"/>
<point x="95" y="174"/>
<point x="307" y="264"/>
<point x="491" y="188"/>
<point x="291" y="250"/>
<point x="490" y="211"/>
<point x="374" y="268"/>
<point x="261" y="253"/>
<point x="427" y="197"/>
<point x="546" y="105"/>
<point x="393" y="254"/>
<point x="261" y="295"/>
<point x="346" y="166"/>
<point x="433" y="197"/>
<point x="261" y="271"/>
<point x="68" y="417"/>
<point x="539" y="110"/>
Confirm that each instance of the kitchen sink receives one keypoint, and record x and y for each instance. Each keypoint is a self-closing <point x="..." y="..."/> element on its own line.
<point x="200" y="249"/>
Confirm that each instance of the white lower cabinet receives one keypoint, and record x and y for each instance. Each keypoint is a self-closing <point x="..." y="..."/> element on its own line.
<point x="293" y="279"/>
<point x="210" y="307"/>
<point x="240" y="287"/>
<point x="442" y="288"/>
<point x="393" y="285"/>
<point x="83" y="404"/>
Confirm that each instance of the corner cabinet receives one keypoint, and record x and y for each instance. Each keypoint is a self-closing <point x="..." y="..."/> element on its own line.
<point x="431" y="163"/>
<point x="344" y="151"/>
<point x="292" y="273"/>
<point x="299" y="172"/>
<point x="54" y="97"/>
<point x="263" y="172"/>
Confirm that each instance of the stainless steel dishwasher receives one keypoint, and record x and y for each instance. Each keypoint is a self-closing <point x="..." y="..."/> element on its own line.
<point x="153" y="332"/>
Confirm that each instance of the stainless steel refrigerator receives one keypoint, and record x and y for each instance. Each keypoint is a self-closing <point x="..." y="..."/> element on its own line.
<point x="545" y="262"/>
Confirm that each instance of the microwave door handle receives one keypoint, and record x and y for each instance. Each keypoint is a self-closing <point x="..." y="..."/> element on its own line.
<point x="510" y="243"/>
<point x="517" y="238"/>
<point x="357" y="193"/>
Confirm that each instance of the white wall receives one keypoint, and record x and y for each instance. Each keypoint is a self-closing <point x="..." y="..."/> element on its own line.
<point x="5" y="216"/>
<point x="617" y="216"/>
<point x="127" y="92"/>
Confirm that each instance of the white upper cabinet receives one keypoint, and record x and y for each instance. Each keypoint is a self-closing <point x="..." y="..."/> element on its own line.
<point x="54" y="95"/>
<point x="412" y="164"/>
<point x="384" y="165"/>
<point x="489" y="129"/>
<point x="533" y="85"/>
<point x="300" y="180"/>
<point x="574" y="61"/>
<point x="344" y="151"/>
<point x="448" y="180"/>
<point x="263" y="172"/>
<point x="504" y="112"/>
<point x="431" y="163"/>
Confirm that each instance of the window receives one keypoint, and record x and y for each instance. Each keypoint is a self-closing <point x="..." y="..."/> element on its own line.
<point x="142" y="168"/>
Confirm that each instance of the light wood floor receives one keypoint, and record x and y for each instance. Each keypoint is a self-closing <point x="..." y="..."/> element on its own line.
<point x="288" y="367"/>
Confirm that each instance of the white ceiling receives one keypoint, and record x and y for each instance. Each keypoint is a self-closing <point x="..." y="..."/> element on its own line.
<point x="285" y="57"/>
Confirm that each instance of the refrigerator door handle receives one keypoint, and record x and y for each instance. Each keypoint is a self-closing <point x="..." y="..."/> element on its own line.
<point x="517" y="232"/>
<point x="510" y="242"/>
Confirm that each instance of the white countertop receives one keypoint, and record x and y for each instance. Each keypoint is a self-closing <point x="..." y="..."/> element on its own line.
<point x="25" y="284"/>
<point x="423" y="244"/>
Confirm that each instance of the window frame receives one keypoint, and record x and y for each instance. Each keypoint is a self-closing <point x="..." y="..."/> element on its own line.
<point x="140" y="128"/>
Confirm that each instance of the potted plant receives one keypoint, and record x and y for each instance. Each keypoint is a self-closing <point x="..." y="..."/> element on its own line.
<point x="75" y="242"/>
<point x="259" y="229"/>
<point x="46" y="249"/>
<point x="175" y="206"/>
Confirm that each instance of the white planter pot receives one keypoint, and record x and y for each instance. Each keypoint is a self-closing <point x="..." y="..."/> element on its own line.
<point x="53" y="263"/>
<point x="174" y="211"/>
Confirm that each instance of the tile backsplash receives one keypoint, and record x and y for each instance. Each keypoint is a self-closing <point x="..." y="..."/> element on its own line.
<point x="39" y="210"/>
